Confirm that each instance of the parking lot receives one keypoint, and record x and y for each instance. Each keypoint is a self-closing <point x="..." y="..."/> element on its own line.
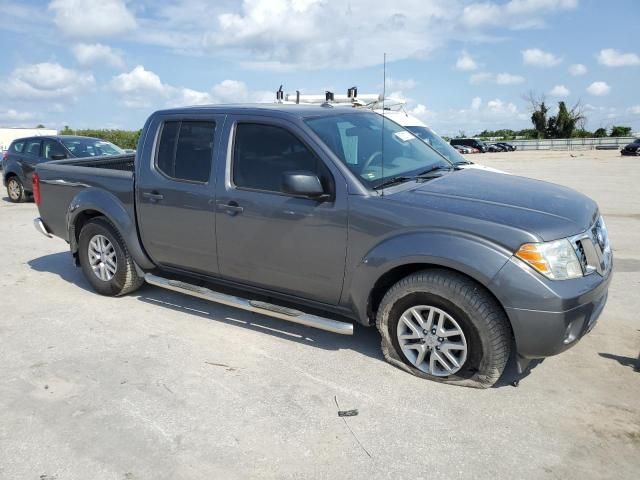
<point x="157" y="385"/>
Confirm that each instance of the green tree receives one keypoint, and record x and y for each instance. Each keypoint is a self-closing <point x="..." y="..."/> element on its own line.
<point x="40" y="126"/>
<point x="600" y="132"/>
<point x="620" y="131"/>
<point x="121" y="138"/>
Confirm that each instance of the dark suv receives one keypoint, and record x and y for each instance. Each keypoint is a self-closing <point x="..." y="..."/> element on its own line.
<point x="24" y="154"/>
<point x="632" y="149"/>
<point x="470" y="142"/>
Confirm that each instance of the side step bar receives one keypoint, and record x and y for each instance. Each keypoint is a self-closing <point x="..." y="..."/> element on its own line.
<point x="264" y="308"/>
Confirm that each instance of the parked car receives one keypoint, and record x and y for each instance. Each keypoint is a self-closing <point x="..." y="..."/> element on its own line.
<point x="24" y="154"/>
<point x="494" y="147"/>
<point x="509" y="147"/>
<point x="631" y="149"/>
<point x="339" y="213"/>
<point x="470" y="142"/>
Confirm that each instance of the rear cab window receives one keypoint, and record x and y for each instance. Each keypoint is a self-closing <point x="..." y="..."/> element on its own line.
<point x="185" y="150"/>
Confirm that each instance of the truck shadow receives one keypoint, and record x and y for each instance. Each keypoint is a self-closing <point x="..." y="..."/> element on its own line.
<point x="61" y="264"/>
<point x="633" y="363"/>
<point x="364" y="340"/>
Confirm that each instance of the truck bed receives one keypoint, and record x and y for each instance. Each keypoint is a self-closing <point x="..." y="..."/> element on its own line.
<point x="62" y="180"/>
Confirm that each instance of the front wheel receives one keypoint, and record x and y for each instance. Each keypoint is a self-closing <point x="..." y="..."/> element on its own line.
<point x="15" y="190"/>
<point x="105" y="259"/>
<point x="443" y="326"/>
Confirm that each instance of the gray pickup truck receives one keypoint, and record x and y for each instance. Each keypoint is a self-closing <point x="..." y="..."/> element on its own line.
<point x="327" y="216"/>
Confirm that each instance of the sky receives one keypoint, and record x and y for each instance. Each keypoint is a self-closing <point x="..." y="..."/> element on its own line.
<point x="461" y="66"/>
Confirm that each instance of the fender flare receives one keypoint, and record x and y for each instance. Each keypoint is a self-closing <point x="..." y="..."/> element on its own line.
<point x="108" y="205"/>
<point x="468" y="254"/>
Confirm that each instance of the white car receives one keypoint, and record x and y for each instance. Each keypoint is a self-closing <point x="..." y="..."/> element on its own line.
<point x="420" y="130"/>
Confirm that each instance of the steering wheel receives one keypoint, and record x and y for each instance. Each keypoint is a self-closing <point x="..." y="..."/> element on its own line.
<point x="370" y="160"/>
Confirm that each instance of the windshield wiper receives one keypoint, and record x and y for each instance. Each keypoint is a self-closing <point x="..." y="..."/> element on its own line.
<point x="436" y="168"/>
<point x="425" y="175"/>
<point x="394" y="180"/>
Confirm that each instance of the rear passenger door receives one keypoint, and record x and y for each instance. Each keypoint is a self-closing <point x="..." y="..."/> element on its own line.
<point x="175" y="192"/>
<point x="267" y="238"/>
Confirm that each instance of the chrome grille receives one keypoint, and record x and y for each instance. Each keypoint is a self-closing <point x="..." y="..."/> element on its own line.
<point x="593" y="249"/>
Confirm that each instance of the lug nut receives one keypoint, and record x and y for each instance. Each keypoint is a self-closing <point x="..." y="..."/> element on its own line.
<point x="425" y="331"/>
<point x="437" y="347"/>
<point x="441" y="339"/>
<point x="433" y="331"/>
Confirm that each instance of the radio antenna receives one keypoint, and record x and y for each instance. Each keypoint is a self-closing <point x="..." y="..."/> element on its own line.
<point x="384" y="94"/>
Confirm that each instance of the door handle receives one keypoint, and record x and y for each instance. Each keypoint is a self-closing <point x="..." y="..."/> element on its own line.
<point x="232" y="208"/>
<point x="153" y="196"/>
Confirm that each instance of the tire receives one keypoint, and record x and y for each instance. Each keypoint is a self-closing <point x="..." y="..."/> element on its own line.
<point x="481" y="349"/>
<point x="116" y="273"/>
<point x="15" y="190"/>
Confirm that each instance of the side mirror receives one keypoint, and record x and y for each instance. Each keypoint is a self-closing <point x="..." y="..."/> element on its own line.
<point x="58" y="156"/>
<point x="303" y="184"/>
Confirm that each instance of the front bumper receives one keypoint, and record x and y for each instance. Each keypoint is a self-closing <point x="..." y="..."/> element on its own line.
<point x="548" y="317"/>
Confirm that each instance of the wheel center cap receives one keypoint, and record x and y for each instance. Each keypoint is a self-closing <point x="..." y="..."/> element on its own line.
<point x="431" y="340"/>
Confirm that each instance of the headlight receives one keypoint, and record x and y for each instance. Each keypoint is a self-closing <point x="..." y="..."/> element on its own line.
<point x="556" y="260"/>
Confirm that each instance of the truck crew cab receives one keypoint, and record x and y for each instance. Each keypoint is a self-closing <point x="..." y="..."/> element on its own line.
<point x="326" y="216"/>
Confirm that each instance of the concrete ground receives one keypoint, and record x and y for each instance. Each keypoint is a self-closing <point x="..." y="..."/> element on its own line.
<point x="157" y="385"/>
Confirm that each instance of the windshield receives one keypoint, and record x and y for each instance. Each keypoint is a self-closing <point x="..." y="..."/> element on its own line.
<point x="90" y="147"/>
<point x="442" y="147"/>
<point x="357" y="139"/>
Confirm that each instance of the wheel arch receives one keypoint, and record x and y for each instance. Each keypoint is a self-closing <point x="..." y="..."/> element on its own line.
<point x="390" y="261"/>
<point x="93" y="203"/>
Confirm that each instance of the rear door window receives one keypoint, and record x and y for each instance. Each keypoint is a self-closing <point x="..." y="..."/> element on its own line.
<point x="185" y="150"/>
<point x="32" y="147"/>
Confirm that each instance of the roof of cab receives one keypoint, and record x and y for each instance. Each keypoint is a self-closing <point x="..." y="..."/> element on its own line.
<point x="271" y="109"/>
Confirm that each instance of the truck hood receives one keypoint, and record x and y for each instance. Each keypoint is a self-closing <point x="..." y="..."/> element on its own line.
<point x="543" y="209"/>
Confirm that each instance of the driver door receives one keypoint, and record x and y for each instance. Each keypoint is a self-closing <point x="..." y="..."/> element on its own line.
<point x="270" y="239"/>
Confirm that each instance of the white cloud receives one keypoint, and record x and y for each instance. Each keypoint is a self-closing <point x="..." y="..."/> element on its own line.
<point x="509" y="79"/>
<point x="97" y="54"/>
<point x="407" y="84"/>
<point x="614" y="58"/>
<point x="634" y="110"/>
<point x="539" y="58"/>
<point x="559" y="91"/>
<point x="494" y="114"/>
<point x="12" y="115"/>
<point x="577" y="69"/>
<point x="598" y="89"/>
<point x="515" y="13"/>
<point x="141" y="88"/>
<point x="481" y="77"/>
<point x="316" y="34"/>
<point x="499" y="79"/>
<point x="498" y="106"/>
<point x="466" y="62"/>
<point x="46" y="81"/>
<point x="92" y="18"/>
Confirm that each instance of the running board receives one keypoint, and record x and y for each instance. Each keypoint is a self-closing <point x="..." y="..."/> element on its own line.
<point x="256" y="306"/>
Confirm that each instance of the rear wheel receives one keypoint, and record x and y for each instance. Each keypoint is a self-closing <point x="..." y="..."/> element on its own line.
<point x="443" y="326"/>
<point x="105" y="259"/>
<point x="15" y="190"/>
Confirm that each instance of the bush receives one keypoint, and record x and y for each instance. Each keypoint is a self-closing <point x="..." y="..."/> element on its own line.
<point x="121" y="138"/>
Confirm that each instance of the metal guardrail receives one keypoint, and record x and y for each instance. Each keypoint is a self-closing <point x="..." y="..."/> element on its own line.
<point x="573" y="143"/>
